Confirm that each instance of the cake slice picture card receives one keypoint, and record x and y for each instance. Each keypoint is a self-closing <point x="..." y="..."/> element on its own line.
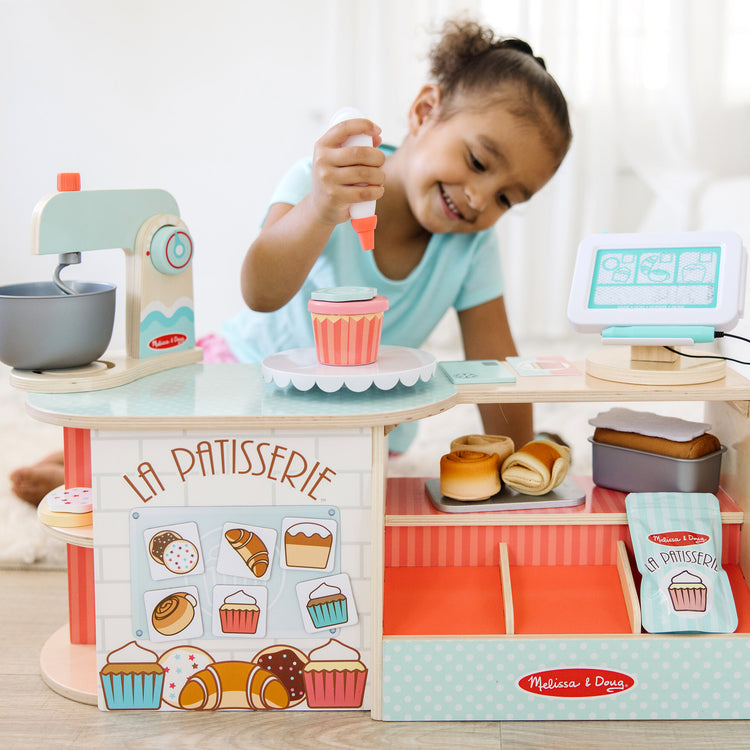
<point x="327" y="603"/>
<point x="309" y="543"/>
<point x="246" y="551"/>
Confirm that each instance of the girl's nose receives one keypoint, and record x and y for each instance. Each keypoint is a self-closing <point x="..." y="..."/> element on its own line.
<point x="477" y="196"/>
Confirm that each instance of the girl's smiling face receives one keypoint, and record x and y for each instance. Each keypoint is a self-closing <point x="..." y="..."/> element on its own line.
<point x="466" y="170"/>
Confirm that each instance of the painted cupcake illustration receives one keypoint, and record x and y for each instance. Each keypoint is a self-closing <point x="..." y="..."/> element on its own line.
<point x="688" y="592"/>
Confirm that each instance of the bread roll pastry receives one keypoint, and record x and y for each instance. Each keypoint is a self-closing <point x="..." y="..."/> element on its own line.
<point x="233" y="684"/>
<point x="250" y="548"/>
<point x="696" y="448"/>
<point x="469" y="475"/>
<point x="174" y="613"/>
<point x="500" y="444"/>
<point x="537" y="468"/>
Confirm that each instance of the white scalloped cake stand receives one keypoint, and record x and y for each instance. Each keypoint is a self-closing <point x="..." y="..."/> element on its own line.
<point x="395" y="364"/>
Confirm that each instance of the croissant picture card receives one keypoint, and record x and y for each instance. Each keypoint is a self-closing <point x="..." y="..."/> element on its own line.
<point x="246" y="551"/>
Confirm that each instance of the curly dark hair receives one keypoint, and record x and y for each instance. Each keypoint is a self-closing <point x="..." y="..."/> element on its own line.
<point x="470" y="59"/>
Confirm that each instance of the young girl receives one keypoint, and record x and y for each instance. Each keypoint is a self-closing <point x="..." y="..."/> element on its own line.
<point x="487" y="133"/>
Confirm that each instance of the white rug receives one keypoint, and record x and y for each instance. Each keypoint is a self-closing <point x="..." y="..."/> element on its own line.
<point x="24" y="542"/>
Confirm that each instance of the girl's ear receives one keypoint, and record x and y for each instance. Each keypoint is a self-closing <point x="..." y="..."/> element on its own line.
<point x="424" y="107"/>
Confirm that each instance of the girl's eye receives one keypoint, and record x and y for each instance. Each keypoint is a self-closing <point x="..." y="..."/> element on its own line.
<point x="503" y="200"/>
<point x="475" y="163"/>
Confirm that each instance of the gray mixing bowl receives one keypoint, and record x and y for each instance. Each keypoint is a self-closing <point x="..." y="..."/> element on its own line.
<point x="42" y="328"/>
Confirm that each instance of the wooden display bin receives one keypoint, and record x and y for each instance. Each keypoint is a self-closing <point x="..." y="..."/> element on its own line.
<point x="539" y="589"/>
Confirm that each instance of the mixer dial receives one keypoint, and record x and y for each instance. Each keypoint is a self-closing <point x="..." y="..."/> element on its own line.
<point x="171" y="250"/>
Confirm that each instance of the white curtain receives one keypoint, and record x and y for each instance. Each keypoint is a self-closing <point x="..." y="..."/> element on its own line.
<point x="658" y="106"/>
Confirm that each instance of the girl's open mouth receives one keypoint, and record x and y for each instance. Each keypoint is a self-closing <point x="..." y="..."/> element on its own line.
<point x="449" y="206"/>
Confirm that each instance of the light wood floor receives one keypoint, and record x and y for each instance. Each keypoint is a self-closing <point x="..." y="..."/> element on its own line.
<point x="33" y="605"/>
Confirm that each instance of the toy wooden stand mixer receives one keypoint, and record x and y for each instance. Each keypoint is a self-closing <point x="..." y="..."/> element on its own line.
<point x="159" y="324"/>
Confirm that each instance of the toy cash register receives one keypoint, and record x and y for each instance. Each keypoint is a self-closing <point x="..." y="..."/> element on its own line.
<point x="653" y="292"/>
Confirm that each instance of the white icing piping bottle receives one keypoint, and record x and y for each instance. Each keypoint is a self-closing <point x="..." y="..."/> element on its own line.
<point x="362" y="214"/>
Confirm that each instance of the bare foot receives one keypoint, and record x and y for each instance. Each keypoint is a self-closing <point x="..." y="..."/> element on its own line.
<point x="32" y="483"/>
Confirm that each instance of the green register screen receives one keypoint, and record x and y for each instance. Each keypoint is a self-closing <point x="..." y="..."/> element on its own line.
<point x="655" y="277"/>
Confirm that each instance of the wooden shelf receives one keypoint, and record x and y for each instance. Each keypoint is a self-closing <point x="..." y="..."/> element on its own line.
<point x="407" y="504"/>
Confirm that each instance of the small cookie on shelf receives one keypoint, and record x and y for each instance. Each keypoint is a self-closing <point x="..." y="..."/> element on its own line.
<point x="66" y="507"/>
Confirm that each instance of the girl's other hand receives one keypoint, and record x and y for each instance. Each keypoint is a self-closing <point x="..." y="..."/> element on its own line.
<point x="343" y="175"/>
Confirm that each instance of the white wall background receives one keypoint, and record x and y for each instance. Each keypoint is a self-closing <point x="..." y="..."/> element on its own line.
<point x="213" y="100"/>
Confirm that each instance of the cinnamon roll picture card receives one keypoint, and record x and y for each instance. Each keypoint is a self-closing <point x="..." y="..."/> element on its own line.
<point x="173" y="613"/>
<point x="246" y="551"/>
<point x="174" y="550"/>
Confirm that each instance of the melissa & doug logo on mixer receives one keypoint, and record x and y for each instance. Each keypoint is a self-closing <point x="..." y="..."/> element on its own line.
<point x="167" y="341"/>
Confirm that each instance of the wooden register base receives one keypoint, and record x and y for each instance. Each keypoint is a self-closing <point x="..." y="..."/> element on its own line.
<point x="653" y="365"/>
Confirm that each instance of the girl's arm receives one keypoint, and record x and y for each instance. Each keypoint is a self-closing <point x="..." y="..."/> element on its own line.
<point x="293" y="237"/>
<point x="486" y="335"/>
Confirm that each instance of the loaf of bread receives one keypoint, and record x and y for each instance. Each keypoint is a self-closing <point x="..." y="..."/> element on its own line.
<point x="233" y="684"/>
<point x="537" y="468"/>
<point x="695" y="448"/>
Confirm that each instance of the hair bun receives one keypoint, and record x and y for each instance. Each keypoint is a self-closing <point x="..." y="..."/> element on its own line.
<point x="520" y="46"/>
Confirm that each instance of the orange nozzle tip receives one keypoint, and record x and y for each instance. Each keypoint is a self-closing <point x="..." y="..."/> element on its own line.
<point x="365" y="228"/>
<point x="68" y="181"/>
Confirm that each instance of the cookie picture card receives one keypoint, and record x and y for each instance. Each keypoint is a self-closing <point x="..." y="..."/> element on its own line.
<point x="308" y="543"/>
<point x="174" y="550"/>
<point x="239" y="611"/>
<point x="246" y="551"/>
<point x="327" y="603"/>
<point x="173" y="614"/>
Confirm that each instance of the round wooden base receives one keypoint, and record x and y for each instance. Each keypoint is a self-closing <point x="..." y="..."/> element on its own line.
<point x="69" y="668"/>
<point x="614" y="364"/>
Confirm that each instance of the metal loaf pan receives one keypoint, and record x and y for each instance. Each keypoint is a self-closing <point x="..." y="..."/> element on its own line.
<point x="629" y="470"/>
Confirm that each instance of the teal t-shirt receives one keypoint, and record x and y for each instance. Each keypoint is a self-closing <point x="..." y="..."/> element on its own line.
<point x="457" y="270"/>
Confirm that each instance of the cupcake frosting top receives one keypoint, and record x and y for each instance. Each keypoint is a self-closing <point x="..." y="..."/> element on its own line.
<point x="686" y="577"/>
<point x="334" y="651"/>
<point x="308" y="529"/>
<point x="132" y="653"/>
<point x="240" y="597"/>
<point x="324" y="590"/>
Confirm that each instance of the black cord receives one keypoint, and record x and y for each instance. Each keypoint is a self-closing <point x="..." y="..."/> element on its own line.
<point x="717" y="335"/>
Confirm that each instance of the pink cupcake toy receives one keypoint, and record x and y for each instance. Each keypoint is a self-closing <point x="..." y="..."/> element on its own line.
<point x="347" y="323"/>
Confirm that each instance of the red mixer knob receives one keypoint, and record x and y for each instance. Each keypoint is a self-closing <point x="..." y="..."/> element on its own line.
<point x="68" y="181"/>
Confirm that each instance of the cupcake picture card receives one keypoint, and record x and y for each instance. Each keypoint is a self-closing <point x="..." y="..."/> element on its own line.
<point x="327" y="603"/>
<point x="239" y="611"/>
